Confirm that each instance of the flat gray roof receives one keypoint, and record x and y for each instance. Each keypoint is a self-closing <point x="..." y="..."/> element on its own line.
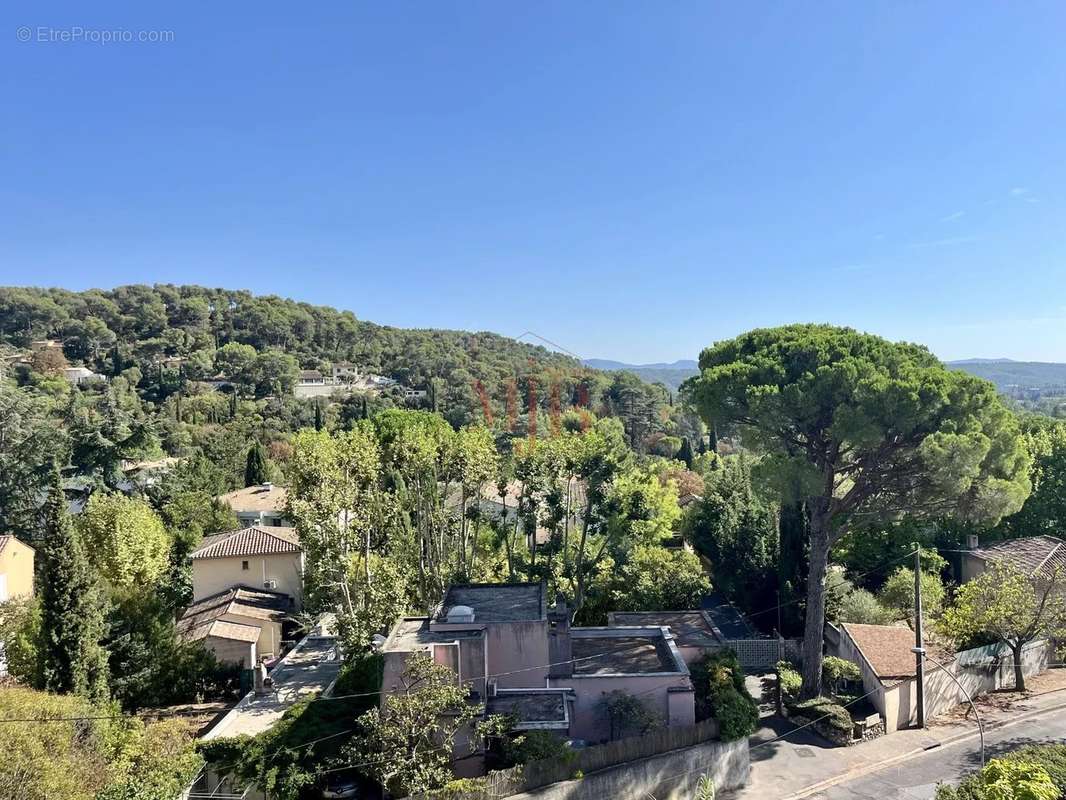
<point x="621" y="655"/>
<point x="412" y="633"/>
<point x="529" y="707"/>
<point x="690" y="628"/>
<point x="496" y="602"/>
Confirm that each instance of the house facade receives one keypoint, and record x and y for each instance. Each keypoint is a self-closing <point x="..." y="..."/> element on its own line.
<point x="16" y="569"/>
<point x="514" y="652"/>
<point x="263" y="558"/>
<point x="240" y="624"/>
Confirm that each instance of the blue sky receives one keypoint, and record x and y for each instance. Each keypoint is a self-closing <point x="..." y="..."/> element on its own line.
<point x="631" y="180"/>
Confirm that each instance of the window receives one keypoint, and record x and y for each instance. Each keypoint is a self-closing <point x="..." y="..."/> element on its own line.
<point x="244" y="565"/>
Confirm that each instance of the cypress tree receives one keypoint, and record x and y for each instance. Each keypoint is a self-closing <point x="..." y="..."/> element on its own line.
<point x="712" y="439"/>
<point x="70" y="658"/>
<point x="685" y="452"/>
<point x="318" y="415"/>
<point x="256" y="470"/>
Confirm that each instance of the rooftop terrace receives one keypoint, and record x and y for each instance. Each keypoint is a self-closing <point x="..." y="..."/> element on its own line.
<point x="690" y="628"/>
<point x="496" y="602"/>
<point x="412" y="634"/>
<point x="532" y="708"/>
<point x="623" y="651"/>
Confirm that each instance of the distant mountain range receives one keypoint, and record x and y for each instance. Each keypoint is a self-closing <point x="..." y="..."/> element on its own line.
<point x="670" y="375"/>
<point x="1008" y="375"/>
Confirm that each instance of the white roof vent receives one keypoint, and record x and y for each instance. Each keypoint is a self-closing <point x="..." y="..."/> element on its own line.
<point x="460" y="614"/>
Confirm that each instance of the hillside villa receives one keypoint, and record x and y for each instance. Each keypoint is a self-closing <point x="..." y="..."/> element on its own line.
<point x="246" y="583"/>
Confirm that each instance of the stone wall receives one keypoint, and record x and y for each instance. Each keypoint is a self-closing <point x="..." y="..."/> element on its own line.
<point x="670" y="776"/>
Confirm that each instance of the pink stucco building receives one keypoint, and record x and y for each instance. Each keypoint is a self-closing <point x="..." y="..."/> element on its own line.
<point x="523" y="659"/>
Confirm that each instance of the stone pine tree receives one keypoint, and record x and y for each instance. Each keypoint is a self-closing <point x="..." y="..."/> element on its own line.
<point x="863" y="431"/>
<point x="256" y="469"/>
<point x="70" y="658"/>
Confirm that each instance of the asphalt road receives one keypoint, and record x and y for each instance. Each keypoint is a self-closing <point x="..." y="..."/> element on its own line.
<point x="916" y="779"/>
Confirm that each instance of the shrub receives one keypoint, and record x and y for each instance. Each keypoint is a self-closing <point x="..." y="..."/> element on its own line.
<point x="789" y="680"/>
<point x="826" y="712"/>
<point x="720" y="693"/>
<point x="1010" y="778"/>
<point x="836" y="672"/>
<point x="535" y="746"/>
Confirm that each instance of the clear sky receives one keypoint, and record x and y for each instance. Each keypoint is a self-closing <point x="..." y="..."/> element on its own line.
<point x="633" y="180"/>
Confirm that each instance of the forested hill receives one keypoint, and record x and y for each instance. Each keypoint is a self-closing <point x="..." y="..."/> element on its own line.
<point x="111" y="330"/>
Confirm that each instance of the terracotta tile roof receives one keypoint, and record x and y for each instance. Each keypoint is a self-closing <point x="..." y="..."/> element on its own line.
<point x="241" y="600"/>
<point x="248" y="542"/>
<point x="220" y="629"/>
<point x="1031" y="555"/>
<point x="887" y="649"/>
<point x="265" y="497"/>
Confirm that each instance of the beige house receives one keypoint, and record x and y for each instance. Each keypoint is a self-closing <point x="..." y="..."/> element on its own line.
<point x="240" y="625"/>
<point x="16" y="568"/>
<point x="264" y="558"/>
<point x="261" y="506"/>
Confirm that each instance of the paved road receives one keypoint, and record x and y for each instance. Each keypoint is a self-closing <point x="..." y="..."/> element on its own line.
<point x="916" y="778"/>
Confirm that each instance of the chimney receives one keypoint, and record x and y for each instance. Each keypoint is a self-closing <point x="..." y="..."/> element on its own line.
<point x="971" y="541"/>
<point x="560" y="651"/>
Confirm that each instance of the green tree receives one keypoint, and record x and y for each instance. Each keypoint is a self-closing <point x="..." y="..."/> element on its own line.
<point x="30" y="443"/>
<point x="1011" y="607"/>
<point x="866" y="430"/>
<point x="897" y="595"/>
<point x="685" y="454"/>
<point x="72" y="621"/>
<point x="256" y="468"/>
<point x="737" y="531"/>
<point x="238" y="363"/>
<point x="126" y="542"/>
<point x="641" y="584"/>
<point x="407" y="743"/>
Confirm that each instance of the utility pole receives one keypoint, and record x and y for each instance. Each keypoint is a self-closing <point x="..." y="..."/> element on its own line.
<point x="919" y="646"/>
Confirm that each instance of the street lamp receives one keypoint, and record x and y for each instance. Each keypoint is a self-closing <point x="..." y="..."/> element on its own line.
<point x="920" y="651"/>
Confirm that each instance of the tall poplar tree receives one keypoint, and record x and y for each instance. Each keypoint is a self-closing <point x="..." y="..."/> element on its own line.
<point x="71" y="660"/>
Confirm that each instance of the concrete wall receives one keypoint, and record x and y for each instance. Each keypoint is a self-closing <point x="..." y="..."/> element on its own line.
<point x="269" y="636"/>
<point x="671" y="776"/>
<point x="230" y="650"/>
<point x="16" y="566"/>
<point x="471" y="666"/>
<point x="514" y="646"/>
<point x="213" y="575"/>
<point x="590" y="717"/>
